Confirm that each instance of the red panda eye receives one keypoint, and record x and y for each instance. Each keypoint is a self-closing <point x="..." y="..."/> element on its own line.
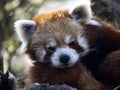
<point x="71" y="44"/>
<point x="51" y="49"/>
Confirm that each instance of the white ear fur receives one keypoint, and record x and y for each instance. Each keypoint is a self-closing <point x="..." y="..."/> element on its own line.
<point x="81" y="11"/>
<point x="24" y="29"/>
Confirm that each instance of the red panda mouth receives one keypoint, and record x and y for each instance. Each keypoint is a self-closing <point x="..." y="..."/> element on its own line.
<point x="61" y="65"/>
<point x="64" y="57"/>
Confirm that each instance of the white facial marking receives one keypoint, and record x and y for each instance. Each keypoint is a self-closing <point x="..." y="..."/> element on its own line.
<point x="94" y="22"/>
<point x="82" y="42"/>
<point x="74" y="56"/>
<point x="40" y="54"/>
<point x="52" y="43"/>
<point x="67" y="39"/>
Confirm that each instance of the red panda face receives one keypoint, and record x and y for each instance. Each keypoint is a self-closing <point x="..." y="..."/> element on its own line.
<point x="58" y="43"/>
<point x="58" y="38"/>
<point x="53" y="54"/>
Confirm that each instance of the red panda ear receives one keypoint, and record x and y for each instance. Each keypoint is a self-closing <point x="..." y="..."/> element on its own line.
<point x="24" y="29"/>
<point x="82" y="11"/>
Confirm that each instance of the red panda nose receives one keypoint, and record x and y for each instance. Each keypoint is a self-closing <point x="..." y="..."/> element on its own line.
<point x="64" y="58"/>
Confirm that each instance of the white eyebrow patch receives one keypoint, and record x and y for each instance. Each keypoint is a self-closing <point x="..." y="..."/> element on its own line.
<point x="67" y="39"/>
<point x="52" y="43"/>
<point x="40" y="53"/>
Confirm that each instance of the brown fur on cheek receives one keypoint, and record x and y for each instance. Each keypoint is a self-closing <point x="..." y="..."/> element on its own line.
<point x="31" y="54"/>
<point x="77" y="47"/>
<point x="47" y="57"/>
<point x="34" y="50"/>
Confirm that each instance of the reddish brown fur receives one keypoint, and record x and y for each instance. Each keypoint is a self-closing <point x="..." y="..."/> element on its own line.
<point x="76" y="76"/>
<point x="111" y="36"/>
<point x="111" y="68"/>
<point x="44" y="18"/>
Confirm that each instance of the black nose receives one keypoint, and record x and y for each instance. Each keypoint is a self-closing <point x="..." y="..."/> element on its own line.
<point x="64" y="58"/>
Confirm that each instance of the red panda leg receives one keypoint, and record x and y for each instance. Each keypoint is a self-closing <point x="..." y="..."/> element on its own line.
<point x="109" y="70"/>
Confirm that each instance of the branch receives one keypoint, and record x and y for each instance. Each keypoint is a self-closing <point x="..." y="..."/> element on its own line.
<point x="47" y="86"/>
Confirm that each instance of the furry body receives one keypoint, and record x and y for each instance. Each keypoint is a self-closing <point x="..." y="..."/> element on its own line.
<point x="96" y="61"/>
<point x="76" y="76"/>
<point x="59" y="42"/>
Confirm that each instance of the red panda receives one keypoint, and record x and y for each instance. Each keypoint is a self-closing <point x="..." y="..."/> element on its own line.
<point x="73" y="48"/>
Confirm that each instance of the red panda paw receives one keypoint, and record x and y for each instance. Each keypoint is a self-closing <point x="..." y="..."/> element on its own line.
<point x="46" y="86"/>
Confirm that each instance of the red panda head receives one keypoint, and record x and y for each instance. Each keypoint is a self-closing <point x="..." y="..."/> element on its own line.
<point x="57" y="38"/>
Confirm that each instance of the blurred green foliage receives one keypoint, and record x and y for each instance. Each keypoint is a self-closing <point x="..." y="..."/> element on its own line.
<point x="11" y="10"/>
